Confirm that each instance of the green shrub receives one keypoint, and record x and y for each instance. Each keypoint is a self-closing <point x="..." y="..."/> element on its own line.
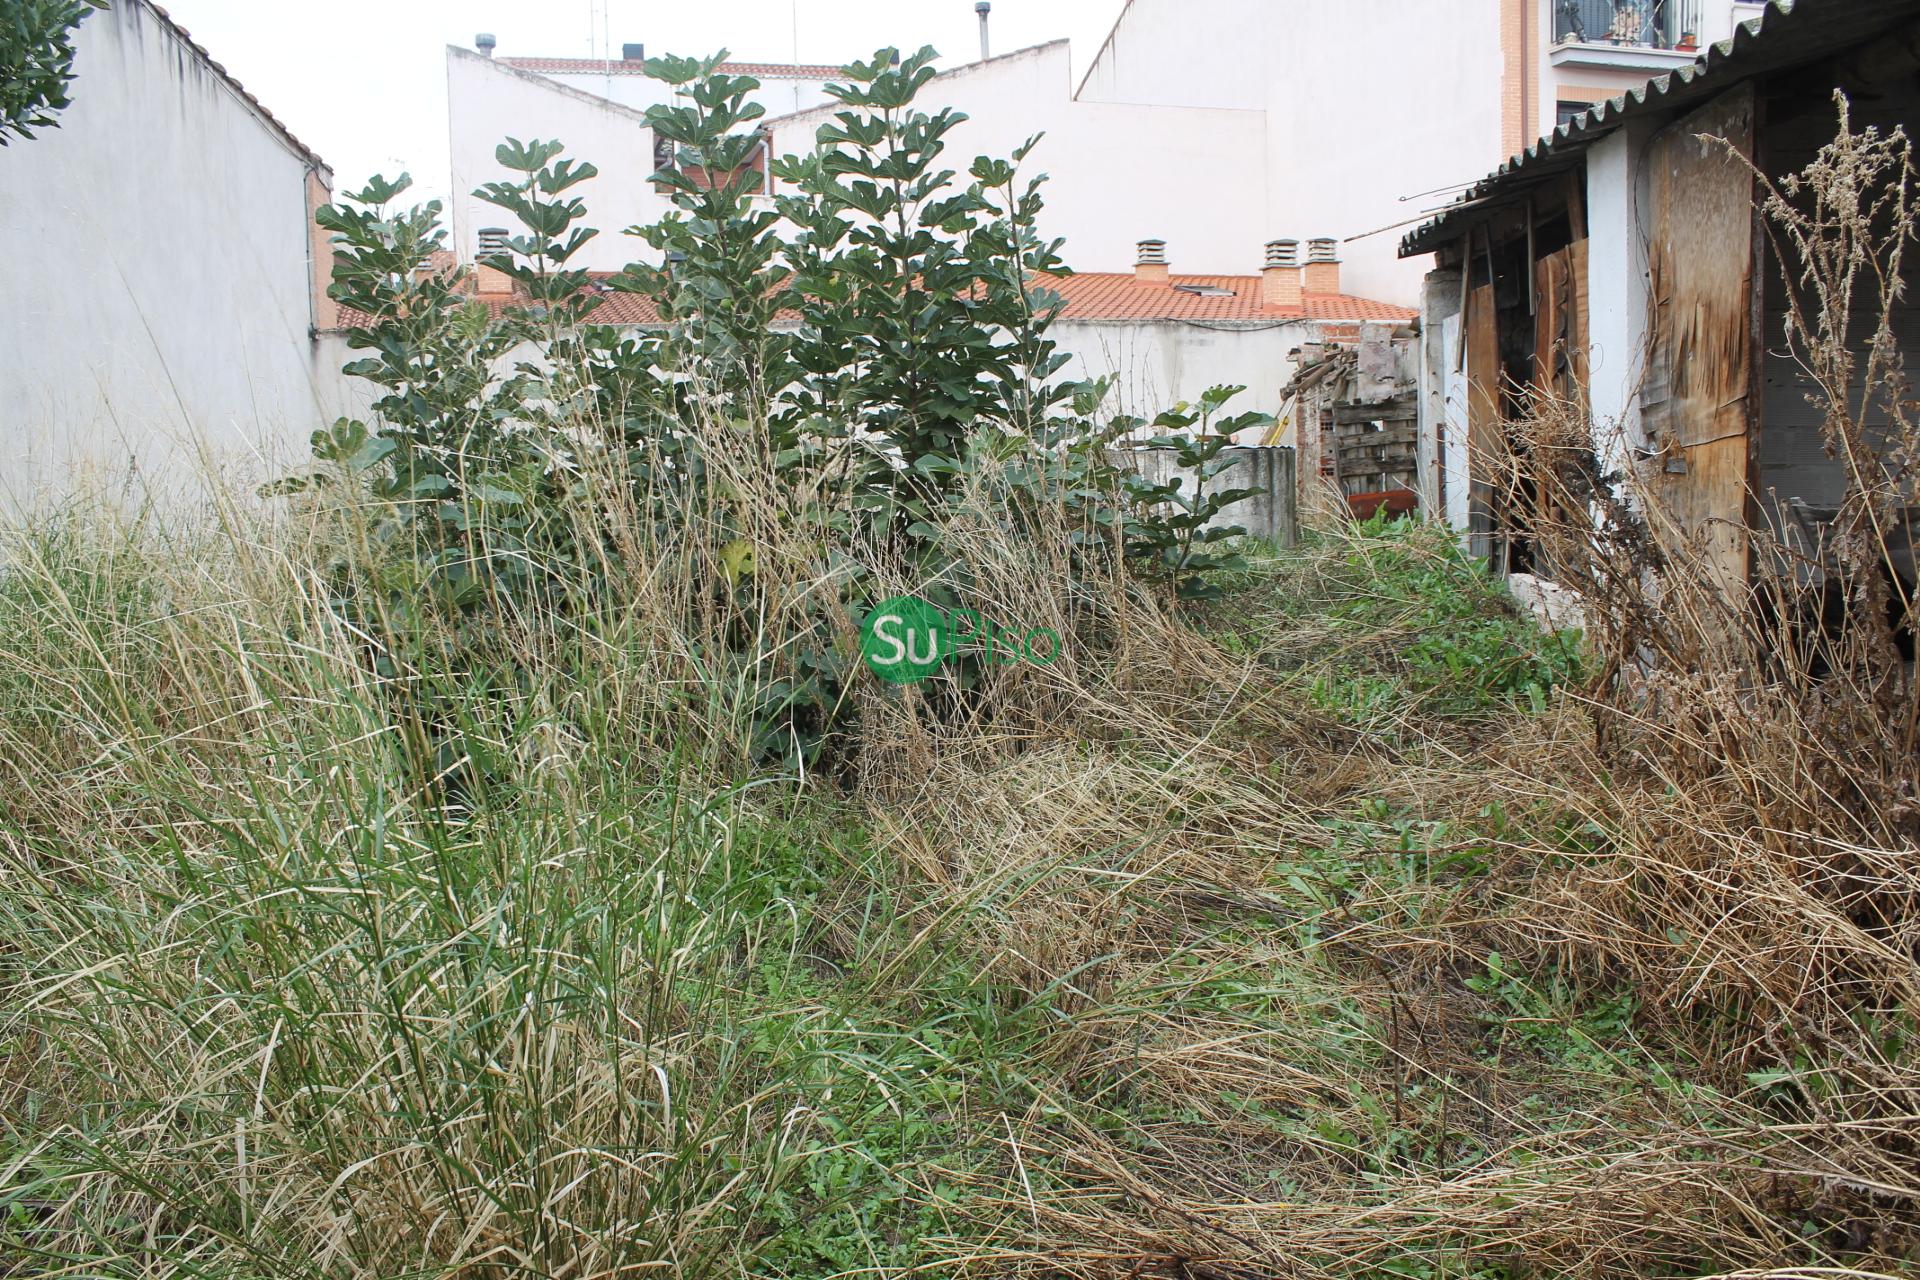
<point x="804" y="468"/>
<point x="36" y="62"/>
<point x="1409" y="619"/>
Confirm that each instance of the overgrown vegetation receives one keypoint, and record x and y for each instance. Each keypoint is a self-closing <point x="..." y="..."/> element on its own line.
<point x="803" y="426"/>
<point x="36" y="62"/>
<point x="429" y="880"/>
<point x="1394" y="619"/>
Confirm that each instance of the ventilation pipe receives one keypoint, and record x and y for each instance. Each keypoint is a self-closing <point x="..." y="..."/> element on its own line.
<point x="485" y="43"/>
<point x="983" y="8"/>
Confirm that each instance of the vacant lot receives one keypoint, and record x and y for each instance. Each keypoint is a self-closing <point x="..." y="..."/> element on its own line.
<point x="1314" y="931"/>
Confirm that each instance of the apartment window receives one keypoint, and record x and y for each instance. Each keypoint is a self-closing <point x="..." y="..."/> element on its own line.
<point x="665" y="157"/>
<point x="1568" y="112"/>
<point x="1654" y="24"/>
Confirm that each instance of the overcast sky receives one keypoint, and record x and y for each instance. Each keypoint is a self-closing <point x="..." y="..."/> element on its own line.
<point x="363" y="82"/>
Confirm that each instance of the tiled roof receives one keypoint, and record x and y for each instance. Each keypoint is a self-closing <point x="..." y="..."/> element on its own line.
<point x="307" y="153"/>
<point x="624" y="67"/>
<point x="1101" y="295"/>
<point x="1089" y="296"/>
<point x="614" y="308"/>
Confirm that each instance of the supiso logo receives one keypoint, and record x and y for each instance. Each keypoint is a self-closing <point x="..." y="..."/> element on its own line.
<point x="906" y="639"/>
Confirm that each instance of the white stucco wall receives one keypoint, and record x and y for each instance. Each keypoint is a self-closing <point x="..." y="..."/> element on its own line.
<point x="1155" y="365"/>
<point x="778" y="94"/>
<point x="1617" y="291"/>
<point x="1366" y="102"/>
<point x="1155" y="46"/>
<point x="156" y="278"/>
<point x="1118" y="173"/>
<point x="489" y="102"/>
<point x="1216" y="125"/>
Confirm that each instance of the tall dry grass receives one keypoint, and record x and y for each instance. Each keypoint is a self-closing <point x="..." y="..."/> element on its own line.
<point x="1155" y="960"/>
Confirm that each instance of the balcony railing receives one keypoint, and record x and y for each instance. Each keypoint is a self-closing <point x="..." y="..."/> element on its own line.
<point x="1644" y="24"/>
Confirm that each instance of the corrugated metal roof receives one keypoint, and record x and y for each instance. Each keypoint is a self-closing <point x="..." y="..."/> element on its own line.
<point x="1785" y="35"/>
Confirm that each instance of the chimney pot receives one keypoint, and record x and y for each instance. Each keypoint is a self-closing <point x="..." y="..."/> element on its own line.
<point x="1323" y="265"/>
<point x="485" y="43"/>
<point x="1280" y="281"/>
<point x="492" y="280"/>
<point x="1150" y="264"/>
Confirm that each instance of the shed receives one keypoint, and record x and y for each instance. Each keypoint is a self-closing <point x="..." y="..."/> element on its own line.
<point x="1622" y="261"/>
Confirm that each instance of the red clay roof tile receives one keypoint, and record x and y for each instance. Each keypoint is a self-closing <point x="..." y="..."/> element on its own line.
<point x="1112" y="295"/>
<point x="1089" y="296"/>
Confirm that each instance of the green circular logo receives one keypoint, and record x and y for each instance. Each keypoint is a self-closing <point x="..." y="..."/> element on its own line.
<point x="904" y="639"/>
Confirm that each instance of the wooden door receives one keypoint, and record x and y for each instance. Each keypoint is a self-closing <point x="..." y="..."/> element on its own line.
<point x="1695" y="398"/>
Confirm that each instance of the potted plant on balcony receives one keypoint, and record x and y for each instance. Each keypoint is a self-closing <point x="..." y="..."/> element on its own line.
<point x="1688" y="42"/>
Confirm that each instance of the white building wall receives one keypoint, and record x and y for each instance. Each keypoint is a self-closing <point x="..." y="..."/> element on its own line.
<point x="1369" y="103"/>
<point x="488" y="102"/>
<point x="158" y="297"/>
<point x="1155" y="365"/>
<point x="780" y="95"/>
<point x="1155" y="49"/>
<point x="1117" y="173"/>
<point x="1618" y="290"/>
<point x="1213" y="124"/>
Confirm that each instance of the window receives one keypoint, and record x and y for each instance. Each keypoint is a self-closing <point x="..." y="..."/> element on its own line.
<point x="664" y="157"/>
<point x="1568" y="112"/>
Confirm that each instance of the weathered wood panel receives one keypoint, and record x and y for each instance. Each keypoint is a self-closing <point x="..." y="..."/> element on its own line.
<point x="1560" y="343"/>
<point x="1695" y="400"/>
<point x="1483" y="377"/>
<point x="1581" y="326"/>
<point x="1399" y="410"/>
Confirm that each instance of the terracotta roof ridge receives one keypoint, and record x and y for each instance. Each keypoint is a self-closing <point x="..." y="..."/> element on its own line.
<point x="1248" y="304"/>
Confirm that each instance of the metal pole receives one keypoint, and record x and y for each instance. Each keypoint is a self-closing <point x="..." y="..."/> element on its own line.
<point x="983" y="8"/>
